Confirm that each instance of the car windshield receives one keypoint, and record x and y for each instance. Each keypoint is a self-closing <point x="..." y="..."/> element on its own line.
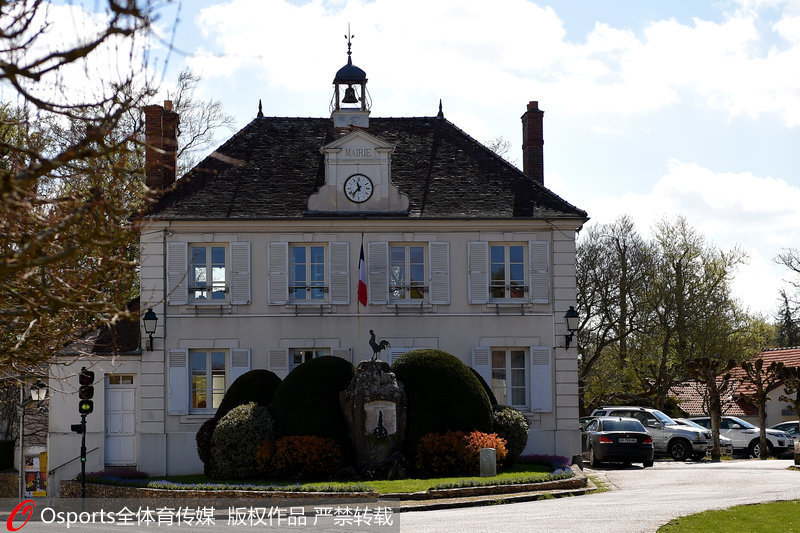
<point x="691" y="423"/>
<point x="745" y="425"/>
<point x="664" y="419"/>
<point x="622" y="425"/>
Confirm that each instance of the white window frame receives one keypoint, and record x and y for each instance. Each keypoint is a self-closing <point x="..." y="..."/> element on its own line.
<point x="406" y="288"/>
<point x="303" y="353"/>
<point x="209" y="373"/>
<point x="209" y="283"/>
<point x="307" y="284"/>
<point x="507" y="286"/>
<point x="507" y="369"/>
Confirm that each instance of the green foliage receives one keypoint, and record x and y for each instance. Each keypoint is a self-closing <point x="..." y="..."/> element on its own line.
<point x="788" y="323"/>
<point x="443" y="394"/>
<point x="257" y="386"/>
<point x="300" y="457"/>
<point x="307" y="401"/>
<point x="236" y="439"/>
<point x="203" y="440"/>
<point x="511" y="425"/>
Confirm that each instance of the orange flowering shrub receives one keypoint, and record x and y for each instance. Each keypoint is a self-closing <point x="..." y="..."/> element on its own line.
<point x="300" y="457"/>
<point x="456" y="453"/>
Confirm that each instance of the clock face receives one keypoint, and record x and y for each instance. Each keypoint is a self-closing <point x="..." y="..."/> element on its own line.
<point x="358" y="188"/>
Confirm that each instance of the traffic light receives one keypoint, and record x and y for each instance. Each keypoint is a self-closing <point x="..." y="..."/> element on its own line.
<point x="86" y="391"/>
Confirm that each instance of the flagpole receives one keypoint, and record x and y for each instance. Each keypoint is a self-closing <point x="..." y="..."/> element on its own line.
<point x="358" y="300"/>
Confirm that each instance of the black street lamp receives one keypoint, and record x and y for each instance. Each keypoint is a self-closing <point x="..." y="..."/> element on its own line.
<point x="572" y="318"/>
<point x="38" y="395"/>
<point x="150" y="320"/>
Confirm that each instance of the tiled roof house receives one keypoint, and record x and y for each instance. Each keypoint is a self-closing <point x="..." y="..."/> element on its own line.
<point x="251" y="260"/>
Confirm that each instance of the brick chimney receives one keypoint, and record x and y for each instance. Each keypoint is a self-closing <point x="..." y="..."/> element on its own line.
<point x="533" y="143"/>
<point x="161" y="136"/>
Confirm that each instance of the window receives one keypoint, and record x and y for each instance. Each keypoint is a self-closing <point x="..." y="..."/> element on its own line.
<point x="507" y="281"/>
<point x="207" y="273"/>
<point x="407" y="272"/>
<point x="298" y="356"/>
<point x="308" y="273"/>
<point x="207" y="378"/>
<point x="510" y="376"/>
<point x="117" y="379"/>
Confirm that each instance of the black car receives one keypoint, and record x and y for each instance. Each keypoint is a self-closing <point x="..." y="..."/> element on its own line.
<point x="616" y="439"/>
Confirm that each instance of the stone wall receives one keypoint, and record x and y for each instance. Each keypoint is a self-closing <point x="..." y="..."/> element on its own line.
<point x="9" y="485"/>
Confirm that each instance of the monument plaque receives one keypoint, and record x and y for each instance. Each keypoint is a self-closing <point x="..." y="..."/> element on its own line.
<point x="371" y="412"/>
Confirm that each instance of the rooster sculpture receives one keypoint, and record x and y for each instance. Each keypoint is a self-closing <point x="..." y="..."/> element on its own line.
<point x="376" y="346"/>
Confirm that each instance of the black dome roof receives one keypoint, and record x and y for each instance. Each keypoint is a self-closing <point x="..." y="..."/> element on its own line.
<point x="350" y="74"/>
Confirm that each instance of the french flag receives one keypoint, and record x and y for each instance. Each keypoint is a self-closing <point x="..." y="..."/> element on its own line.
<point x="362" y="279"/>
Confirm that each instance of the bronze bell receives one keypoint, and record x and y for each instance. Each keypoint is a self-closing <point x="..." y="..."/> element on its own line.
<point x="350" y="96"/>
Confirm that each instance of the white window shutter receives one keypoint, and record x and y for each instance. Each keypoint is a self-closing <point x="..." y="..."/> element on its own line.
<point x="377" y="267"/>
<point x="340" y="273"/>
<point x="393" y="354"/>
<point x="541" y="379"/>
<point x="240" y="273"/>
<point x="481" y="362"/>
<point x="478" y="265"/>
<point x="278" y="273"/>
<point x="279" y="361"/>
<point x="439" y="253"/>
<point x="178" y="391"/>
<point x="177" y="272"/>
<point x="240" y="363"/>
<point x="344" y="353"/>
<point x="540" y="271"/>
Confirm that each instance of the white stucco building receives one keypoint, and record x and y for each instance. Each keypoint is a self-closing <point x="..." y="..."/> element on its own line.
<point x="251" y="261"/>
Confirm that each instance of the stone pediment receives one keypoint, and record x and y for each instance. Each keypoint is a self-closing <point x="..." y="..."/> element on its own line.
<point x="358" y="178"/>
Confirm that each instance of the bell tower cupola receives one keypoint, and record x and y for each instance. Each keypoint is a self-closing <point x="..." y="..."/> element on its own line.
<point x="350" y="104"/>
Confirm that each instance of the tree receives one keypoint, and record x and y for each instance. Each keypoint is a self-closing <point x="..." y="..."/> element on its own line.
<point x="759" y="381"/>
<point x="788" y="326"/>
<point x="612" y="262"/>
<point x="66" y="231"/>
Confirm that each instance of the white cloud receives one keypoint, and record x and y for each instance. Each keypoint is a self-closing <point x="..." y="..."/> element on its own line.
<point x="462" y="50"/>
<point x="759" y="214"/>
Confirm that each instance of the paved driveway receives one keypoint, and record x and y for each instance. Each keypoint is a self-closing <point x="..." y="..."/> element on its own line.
<point x="641" y="500"/>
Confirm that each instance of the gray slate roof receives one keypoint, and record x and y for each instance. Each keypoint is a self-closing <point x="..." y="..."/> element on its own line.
<point x="271" y="166"/>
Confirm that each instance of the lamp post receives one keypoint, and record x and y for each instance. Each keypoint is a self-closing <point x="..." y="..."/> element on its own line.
<point x="38" y="395"/>
<point x="572" y="318"/>
<point x="150" y="320"/>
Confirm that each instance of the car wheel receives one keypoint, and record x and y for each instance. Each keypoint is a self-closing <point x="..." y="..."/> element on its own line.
<point x="593" y="461"/>
<point x="755" y="448"/>
<point x="648" y="464"/>
<point x="680" y="450"/>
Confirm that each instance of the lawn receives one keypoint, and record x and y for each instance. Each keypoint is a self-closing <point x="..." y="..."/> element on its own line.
<point x="519" y="473"/>
<point x="764" y="517"/>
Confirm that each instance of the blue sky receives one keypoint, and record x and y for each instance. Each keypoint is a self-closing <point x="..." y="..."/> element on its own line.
<point x="652" y="108"/>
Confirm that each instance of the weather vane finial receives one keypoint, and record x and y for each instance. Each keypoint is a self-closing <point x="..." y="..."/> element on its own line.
<point x="349" y="36"/>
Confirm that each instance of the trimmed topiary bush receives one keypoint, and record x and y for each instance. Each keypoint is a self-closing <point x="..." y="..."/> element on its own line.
<point x="236" y="439"/>
<point x="203" y="439"/>
<point x="443" y="394"/>
<point x="257" y="386"/>
<point x="486" y="388"/>
<point x="307" y="401"/>
<point x="300" y="457"/>
<point x="511" y="424"/>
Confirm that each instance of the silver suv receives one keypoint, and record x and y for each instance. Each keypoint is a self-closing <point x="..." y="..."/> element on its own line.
<point x="669" y="438"/>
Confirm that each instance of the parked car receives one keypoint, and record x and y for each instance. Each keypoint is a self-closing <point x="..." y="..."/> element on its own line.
<point x="582" y="421"/>
<point x="725" y="443"/>
<point x="791" y="429"/>
<point x="746" y="437"/>
<point x="679" y="442"/>
<point x="616" y="439"/>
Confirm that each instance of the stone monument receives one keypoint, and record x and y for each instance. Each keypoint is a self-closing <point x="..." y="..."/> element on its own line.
<point x="374" y="406"/>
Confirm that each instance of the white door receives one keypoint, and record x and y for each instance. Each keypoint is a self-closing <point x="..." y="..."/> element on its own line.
<point x="120" y="421"/>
